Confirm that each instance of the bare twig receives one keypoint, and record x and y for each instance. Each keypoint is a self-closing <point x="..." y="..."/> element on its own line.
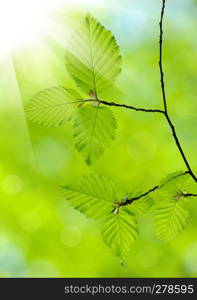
<point x="189" y="195"/>
<point x="131" y="200"/>
<point x="131" y="107"/>
<point x="125" y="106"/>
<point x="164" y="94"/>
<point x="161" y="55"/>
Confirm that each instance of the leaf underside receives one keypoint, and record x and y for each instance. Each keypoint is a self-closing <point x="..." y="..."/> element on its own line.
<point x="94" y="129"/>
<point x="93" y="56"/>
<point x="170" y="219"/>
<point x="93" y="195"/>
<point x="53" y="106"/>
<point x="119" y="232"/>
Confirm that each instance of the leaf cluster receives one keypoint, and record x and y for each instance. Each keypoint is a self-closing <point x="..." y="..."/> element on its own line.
<point x="93" y="60"/>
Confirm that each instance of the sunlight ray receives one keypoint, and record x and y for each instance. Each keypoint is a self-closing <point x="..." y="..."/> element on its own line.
<point x="18" y="136"/>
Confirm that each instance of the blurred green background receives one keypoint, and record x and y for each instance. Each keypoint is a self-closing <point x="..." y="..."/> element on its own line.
<point x="40" y="234"/>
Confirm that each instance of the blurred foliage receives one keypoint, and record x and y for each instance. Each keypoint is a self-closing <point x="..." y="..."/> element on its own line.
<point x="40" y="234"/>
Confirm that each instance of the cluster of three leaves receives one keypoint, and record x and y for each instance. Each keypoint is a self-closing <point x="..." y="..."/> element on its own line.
<point x="93" y="60"/>
<point x="96" y="197"/>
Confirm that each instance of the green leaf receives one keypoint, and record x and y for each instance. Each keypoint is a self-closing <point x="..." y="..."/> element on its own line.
<point x="93" y="57"/>
<point x="94" y="129"/>
<point x="170" y="219"/>
<point x="119" y="231"/>
<point x="93" y="195"/>
<point x="53" y="106"/>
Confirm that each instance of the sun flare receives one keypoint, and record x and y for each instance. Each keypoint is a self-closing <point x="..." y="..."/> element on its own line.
<point x="23" y="21"/>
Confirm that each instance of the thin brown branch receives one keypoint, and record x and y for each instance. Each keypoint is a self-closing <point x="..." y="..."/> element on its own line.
<point x="124" y="106"/>
<point x="165" y="111"/>
<point x="189" y="195"/>
<point x="174" y="134"/>
<point x="180" y="148"/>
<point x="161" y="55"/>
<point x="131" y="107"/>
<point x="129" y="201"/>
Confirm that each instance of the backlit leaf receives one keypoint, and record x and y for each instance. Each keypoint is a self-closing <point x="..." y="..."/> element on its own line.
<point x="120" y="231"/>
<point x="94" y="129"/>
<point x="93" y="195"/>
<point x="53" y="106"/>
<point x="93" y="57"/>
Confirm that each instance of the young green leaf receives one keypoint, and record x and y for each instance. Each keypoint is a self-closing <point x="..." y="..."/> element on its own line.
<point x="170" y="219"/>
<point x="93" y="57"/>
<point x="93" y="195"/>
<point x="119" y="231"/>
<point x="94" y="128"/>
<point x="53" y="106"/>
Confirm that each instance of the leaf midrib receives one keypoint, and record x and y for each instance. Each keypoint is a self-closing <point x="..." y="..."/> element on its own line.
<point x="60" y="104"/>
<point x="91" y="58"/>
